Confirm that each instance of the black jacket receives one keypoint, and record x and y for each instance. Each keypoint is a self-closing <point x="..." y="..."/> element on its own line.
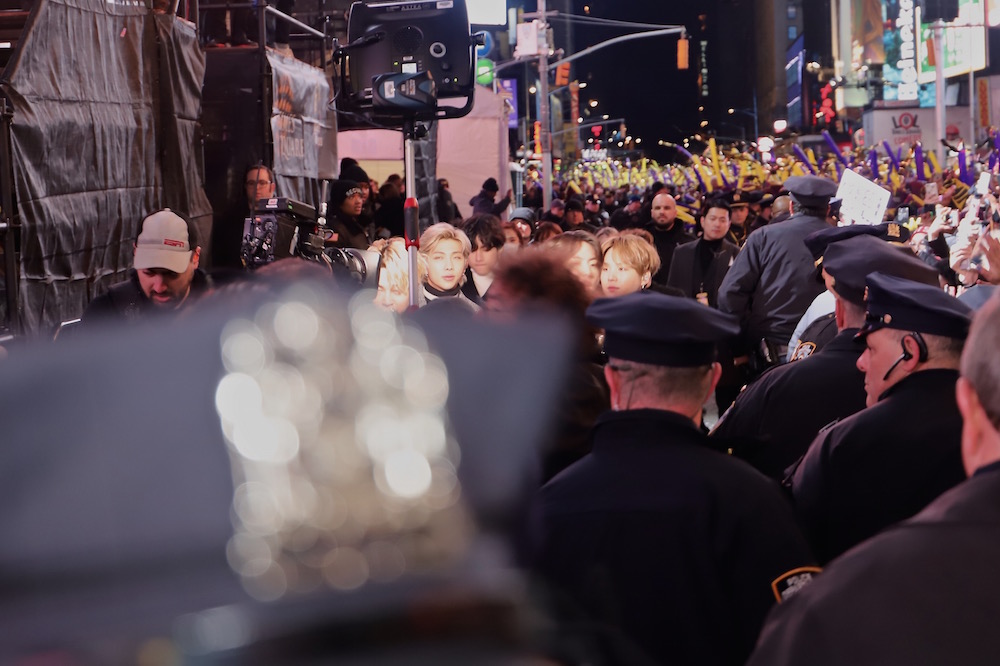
<point x="771" y="283"/>
<point x="482" y="203"/>
<point x="774" y="420"/>
<point x="686" y="275"/>
<point x="347" y="231"/>
<point x="471" y="291"/>
<point x="125" y="302"/>
<point x="666" y="241"/>
<point x="881" y="465"/>
<point x="922" y="593"/>
<point x="622" y="219"/>
<point x="674" y="544"/>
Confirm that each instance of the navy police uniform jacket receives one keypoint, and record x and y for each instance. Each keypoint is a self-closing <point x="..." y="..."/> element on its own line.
<point x="881" y="465"/>
<point x="678" y="546"/>
<point x="771" y="284"/>
<point x="774" y="419"/>
<point x="922" y="593"/>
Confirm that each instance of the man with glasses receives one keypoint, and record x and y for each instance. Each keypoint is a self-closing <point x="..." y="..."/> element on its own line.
<point x="259" y="184"/>
<point x="227" y="228"/>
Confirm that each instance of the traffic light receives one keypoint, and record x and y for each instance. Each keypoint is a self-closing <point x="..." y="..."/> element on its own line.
<point x="562" y="74"/>
<point x="682" y="53"/>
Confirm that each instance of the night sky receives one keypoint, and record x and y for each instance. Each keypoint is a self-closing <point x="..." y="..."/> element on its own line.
<point x="637" y="80"/>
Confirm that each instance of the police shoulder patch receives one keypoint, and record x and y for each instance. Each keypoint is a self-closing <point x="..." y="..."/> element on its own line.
<point x="790" y="582"/>
<point x="803" y="350"/>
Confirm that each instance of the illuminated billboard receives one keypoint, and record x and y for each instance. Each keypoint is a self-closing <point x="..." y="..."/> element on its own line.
<point x="867" y="45"/>
<point x="964" y="42"/>
<point x="902" y="52"/>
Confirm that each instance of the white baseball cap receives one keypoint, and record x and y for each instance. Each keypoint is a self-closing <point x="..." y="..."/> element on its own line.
<point x="163" y="242"/>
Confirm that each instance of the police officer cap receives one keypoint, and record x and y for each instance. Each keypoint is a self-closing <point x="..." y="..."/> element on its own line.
<point x="818" y="241"/>
<point x="910" y="306"/>
<point x="738" y="199"/>
<point x="848" y="263"/>
<point x="657" y="329"/>
<point x="811" y="191"/>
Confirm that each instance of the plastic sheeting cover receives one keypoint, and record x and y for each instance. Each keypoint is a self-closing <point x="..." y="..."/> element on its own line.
<point x="106" y="99"/>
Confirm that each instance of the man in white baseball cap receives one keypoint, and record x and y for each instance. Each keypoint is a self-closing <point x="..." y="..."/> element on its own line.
<point x="165" y="271"/>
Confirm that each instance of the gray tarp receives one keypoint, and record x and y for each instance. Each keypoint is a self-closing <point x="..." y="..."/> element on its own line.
<point x="106" y="99"/>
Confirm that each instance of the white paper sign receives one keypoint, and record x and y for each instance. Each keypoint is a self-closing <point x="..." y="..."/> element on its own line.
<point x="863" y="202"/>
<point x="931" y="195"/>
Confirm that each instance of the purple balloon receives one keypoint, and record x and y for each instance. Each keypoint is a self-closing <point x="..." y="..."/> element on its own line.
<point x="892" y="155"/>
<point x="918" y="152"/>
<point x="805" y="160"/>
<point x="963" y="168"/>
<point x="684" y="152"/>
<point x="833" y="147"/>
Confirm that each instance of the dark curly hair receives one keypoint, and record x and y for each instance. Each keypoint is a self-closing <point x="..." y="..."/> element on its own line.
<point x="539" y="280"/>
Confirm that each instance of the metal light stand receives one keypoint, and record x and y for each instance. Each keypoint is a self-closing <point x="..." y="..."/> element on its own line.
<point x="411" y="209"/>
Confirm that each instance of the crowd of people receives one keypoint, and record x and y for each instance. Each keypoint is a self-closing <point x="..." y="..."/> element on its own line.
<point x="850" y="477"/>
<point x="835" y="333"/>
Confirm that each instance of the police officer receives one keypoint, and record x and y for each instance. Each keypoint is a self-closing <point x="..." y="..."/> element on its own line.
<point x="769" y="285"/>
<point x="925" y="591"/>
<point x="887" y="462"/>
<point x="739" y="218"/>
<point x="818" y="326"/>
<point x="679" y="547"/>
<point x="775" y="419"/>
